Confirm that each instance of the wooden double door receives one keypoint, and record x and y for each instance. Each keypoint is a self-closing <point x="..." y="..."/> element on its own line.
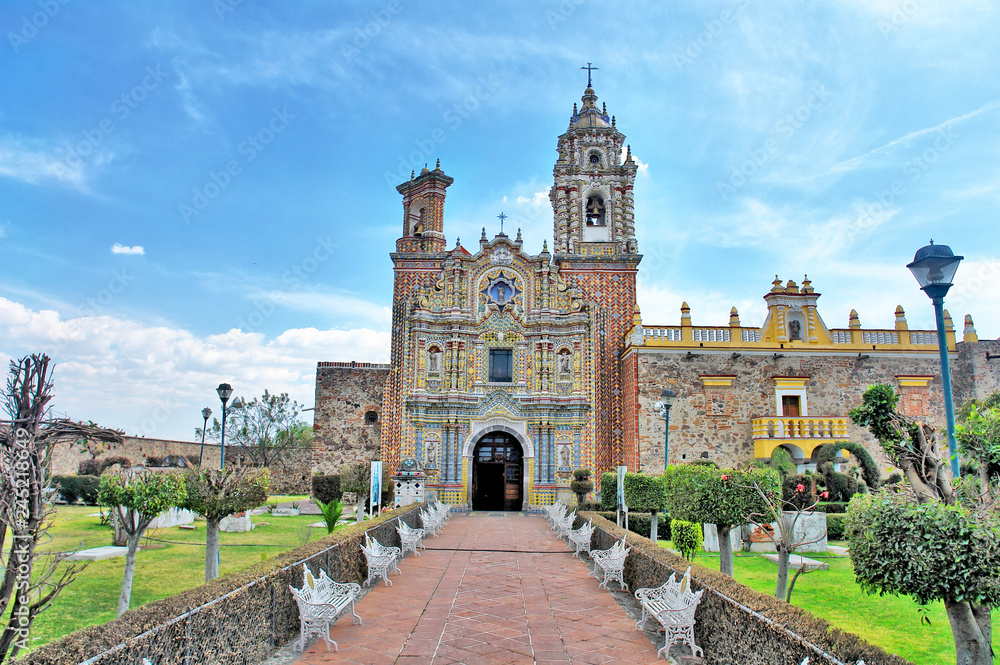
<point x="497" y="473"/>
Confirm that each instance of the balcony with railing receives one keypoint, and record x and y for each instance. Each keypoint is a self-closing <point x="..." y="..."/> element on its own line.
<point x="803" y="432"/>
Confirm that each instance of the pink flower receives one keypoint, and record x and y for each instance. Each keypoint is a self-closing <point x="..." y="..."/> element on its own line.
<point x="726" y="477"/>
<point x="825" y="494"/>
<point x="800" y="488"/>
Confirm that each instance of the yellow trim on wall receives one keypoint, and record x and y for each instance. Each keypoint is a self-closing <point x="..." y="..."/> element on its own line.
<point x="790" y="382"/>
<point x="710" y="381"/>
<point x="914" y="381"/>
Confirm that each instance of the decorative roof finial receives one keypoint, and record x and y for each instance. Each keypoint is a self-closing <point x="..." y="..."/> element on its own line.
<point x="545" y="246"/>
<point x="589" y="70"/>
<point x="483" y="237"/>
<point x="437" y="167"/>
<point x="518" y="235"/>
<point x="412" y="173"/>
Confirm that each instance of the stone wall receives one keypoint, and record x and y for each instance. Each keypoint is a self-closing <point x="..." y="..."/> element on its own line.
<point x="291" y="476"/>
<point x="716" y="422"/>
<point x="347" y="392"/>
<point x="972" y="374"/>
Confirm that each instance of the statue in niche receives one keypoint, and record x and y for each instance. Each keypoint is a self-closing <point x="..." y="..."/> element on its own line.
<point x="432" y="453"/>
<point x="563" y="456"/>
<point x="434" y="361"/>
<point x="564" y="362"/>
<point x="794" y="331"/>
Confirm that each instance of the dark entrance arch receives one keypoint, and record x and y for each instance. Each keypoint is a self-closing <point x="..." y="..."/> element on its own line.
<point x="497" y="473"/>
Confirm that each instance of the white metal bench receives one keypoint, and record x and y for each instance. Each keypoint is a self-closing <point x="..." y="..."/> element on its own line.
<point x="673" y="604"/>
<point x="411" y="539"/>
<point x="554" y="512"/>
<point x="381" y="560"/>
<point x="564" y="525"/>
<point x="580" y="538"/>
<point x="432" y="521"/>
<point x="611" y="563"/>
<point x="321" y="601"/>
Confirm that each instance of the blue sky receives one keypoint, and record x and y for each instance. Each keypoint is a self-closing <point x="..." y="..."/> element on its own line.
<point x="196" y="192"/>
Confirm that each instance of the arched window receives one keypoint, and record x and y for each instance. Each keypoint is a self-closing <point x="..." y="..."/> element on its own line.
<point x="371" y="418"/>
<point x="595" y="211"/>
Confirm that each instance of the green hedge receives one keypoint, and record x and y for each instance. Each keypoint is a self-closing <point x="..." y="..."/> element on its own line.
<point x="326" y="488"/>
<point x="641" y="524"/>
<point x="835" y="526"/>
<point x="832" y="507"/>
<point x="78" y="487"/>
<point x="609" y="491"/>
<point x="733" y="620"/>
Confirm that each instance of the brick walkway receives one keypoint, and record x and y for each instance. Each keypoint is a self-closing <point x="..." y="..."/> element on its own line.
<point x="480" y="606"/>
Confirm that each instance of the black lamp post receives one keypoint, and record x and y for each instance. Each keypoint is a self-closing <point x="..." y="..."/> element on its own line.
<point x="934" y="267"/>
<point x="225" y="391"/>
<point x="205" y="413"/>
<point x="663" y="407"/>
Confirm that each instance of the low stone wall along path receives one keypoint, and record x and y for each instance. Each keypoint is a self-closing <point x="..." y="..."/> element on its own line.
<point x="466" y="600"/>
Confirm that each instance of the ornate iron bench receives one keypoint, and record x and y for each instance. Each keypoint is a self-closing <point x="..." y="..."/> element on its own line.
<point x="381" y="560"/>
<point x="411" y="539"/>
<point x="611" y="563"/>
<point x="432" y="520"/>
<point x="673" y="604"/>
<point x="580" y="538"/>
<point x="321" y="602"/>
<point x="565" y="524"/>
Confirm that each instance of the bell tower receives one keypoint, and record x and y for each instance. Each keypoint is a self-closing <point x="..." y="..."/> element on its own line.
<point x="596" y="252"/>
<point x="592" y="194"/>
<point x="423" y="211"/>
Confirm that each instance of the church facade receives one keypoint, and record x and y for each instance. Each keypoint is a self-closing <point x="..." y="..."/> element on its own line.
<point x="510" y="369"/>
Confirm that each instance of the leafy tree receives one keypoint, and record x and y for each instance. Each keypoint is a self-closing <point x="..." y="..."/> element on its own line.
<point x="27" y="438"/>
<point x="263" y="428"/>
<point x="723" y="497"/>
<point x="136" y="497"/>
<point x="940" y="542"/>
<point x="686" y="537"/>
<point x="216" y="494"/>
<point x="978" y="437"/>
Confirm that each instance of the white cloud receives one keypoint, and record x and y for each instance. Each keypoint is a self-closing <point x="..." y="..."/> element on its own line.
<point x="537" y="199"/>
<point x="37" y="164"/>
<point x="153" y="380"/>
<point x="118" y="248"/>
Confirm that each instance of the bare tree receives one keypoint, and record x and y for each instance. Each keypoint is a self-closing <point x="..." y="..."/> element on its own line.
<point x="31" y="579"/>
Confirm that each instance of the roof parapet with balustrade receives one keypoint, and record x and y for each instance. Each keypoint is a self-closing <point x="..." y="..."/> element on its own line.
<point x="793" y="323"/>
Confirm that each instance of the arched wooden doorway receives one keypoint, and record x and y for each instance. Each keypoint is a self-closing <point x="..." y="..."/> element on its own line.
<point x="497" y="473"/>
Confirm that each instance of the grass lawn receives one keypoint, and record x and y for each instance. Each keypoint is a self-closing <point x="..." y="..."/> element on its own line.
<point x="891" y="622"/>
<point x="162" y="569"/>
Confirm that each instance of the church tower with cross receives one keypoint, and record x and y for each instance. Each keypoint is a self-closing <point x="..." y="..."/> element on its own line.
<point x="596" y="251"/>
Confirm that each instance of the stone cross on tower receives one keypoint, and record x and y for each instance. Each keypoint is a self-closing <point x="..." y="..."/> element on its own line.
<point x="501" y="217"/>
<point x="589" y="70"/>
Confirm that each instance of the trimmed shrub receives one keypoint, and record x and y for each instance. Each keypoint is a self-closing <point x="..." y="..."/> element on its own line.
<point x="581" y="485"/>
<point x="590" y="505"/>
<point x="782" y="462"/>
<point x="89" y="467"/>
<point x="609" y="491"/>
<point x="326" y="488"/>
<point x="687" y="537"/>
<point x="705" y="462"/>
<point x="893" y="478"/>
<point x="78" y="487"/>
<point x="644" y="493"/>
<point x="790" y="492"/>
<point x="832" y="507"/>
<point x="640" y="524"/>
<point x="841" y="486"/>
<point x="835" y="526"/>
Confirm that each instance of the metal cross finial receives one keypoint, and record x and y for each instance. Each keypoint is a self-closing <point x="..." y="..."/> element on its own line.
<point x="589" y="70"/>
<point x="501" y="217"/>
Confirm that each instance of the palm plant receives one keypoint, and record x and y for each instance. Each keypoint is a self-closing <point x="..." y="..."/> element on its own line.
<point x="331" y="513"/>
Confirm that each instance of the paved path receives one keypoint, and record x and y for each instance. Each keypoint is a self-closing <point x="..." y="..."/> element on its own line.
<point x="451" y="605"/>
